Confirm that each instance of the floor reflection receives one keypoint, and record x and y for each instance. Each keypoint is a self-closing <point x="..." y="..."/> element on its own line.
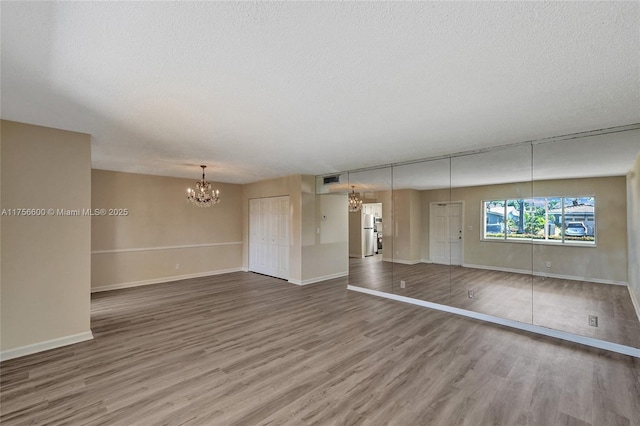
<point x="554" y="303"/>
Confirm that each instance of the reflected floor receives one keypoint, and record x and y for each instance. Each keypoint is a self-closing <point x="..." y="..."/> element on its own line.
<point x="549" y="302"/>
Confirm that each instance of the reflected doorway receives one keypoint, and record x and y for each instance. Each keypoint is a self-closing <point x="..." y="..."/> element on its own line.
<point x="372" y="228"/>
<point x="446" y="233"/>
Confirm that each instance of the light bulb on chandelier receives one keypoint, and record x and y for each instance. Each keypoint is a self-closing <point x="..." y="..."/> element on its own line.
<point x="203" y="195"/>
<point x="354" y="202"/>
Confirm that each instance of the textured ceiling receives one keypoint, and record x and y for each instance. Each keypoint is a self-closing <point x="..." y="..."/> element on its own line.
<point x="260" y="90"/>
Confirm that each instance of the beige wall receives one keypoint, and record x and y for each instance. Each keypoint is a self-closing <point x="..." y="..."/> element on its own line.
<point x="608" y="260"/>
<point x="325" y="230"/>
<point x="45" y="283"/>
<point x="605" y="262"/>
<point x="633" y="220"/>
<point x="407" y="218"/>
<point x="489" y="253"/>
<point x="161" y="230"/>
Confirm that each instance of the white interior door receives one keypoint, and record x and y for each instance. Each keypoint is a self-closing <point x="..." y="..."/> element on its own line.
<point x="446" y="233"/>
<point x="269" y="236"/>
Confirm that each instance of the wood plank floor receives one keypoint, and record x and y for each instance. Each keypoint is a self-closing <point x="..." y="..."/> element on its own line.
<point x="245" y="349"/>
<point x="549" y="302"/>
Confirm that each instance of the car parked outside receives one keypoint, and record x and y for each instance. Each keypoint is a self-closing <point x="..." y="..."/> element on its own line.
<point x="575" y="229"/>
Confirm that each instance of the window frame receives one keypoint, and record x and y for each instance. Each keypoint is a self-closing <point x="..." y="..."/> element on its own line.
<point x="531" y="203"/>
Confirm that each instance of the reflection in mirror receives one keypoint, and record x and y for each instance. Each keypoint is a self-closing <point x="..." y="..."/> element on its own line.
<point x="370" y="230"/>
<point x="583" y="257"/>
<point x="491" y="270"/>
<point x="422" y="235"/>
<point x="548" y="232"/>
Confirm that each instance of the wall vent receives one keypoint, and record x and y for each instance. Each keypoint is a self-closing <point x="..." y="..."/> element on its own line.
<point x="327" y="180"/>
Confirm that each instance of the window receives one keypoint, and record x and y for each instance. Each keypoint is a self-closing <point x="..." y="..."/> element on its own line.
<point x="551" y="219"/>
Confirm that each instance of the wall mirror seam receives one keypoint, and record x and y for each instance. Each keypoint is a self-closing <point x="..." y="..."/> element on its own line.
<point x="541" y="232"/>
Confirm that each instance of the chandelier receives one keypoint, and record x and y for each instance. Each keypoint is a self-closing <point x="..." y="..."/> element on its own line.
<point x="355" y="203"/>
<point x="203" y="196"/>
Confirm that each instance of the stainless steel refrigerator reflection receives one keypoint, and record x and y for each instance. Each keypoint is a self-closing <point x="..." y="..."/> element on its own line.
<point x="368" y="238"/>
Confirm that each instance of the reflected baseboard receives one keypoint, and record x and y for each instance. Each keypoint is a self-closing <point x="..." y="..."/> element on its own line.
<point x="319" y="279"/>
<point x="562" y="335"/>
<point x="545" y="274"/>
<point x="402" y="261"/>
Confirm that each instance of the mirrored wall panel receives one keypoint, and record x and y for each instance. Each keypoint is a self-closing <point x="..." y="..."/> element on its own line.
<point x="580" y="257"/>
<point x="491" y="270"/>
<point x="545" y="233"/>
<point x="370" y="229"/>
<point x="424" y="229"/>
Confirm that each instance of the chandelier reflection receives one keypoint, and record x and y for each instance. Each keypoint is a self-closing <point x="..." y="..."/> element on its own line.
<point x="203" y="195"/>
<point x="355" y="203"/>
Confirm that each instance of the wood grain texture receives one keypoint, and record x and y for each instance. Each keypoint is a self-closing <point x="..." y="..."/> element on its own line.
<point x="549" y="302"/>
<point x="245" y="349"/>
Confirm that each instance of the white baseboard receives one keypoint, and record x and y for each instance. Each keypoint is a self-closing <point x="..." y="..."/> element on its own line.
<point x="401" y="261"/>
<point x="426" y="261"/>
<point x="319" y="279"/>
<point x="588" y="341"/>
<point x="356" y="256"/>
<point x="162" y="280"/>
<point x="407" y="262"/>
<point x="496" y="268"/>
<point x="544" y="274"/>
<point x="45" y="346"/>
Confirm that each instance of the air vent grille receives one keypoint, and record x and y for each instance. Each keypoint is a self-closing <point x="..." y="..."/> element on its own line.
<point x="327" y="180"/>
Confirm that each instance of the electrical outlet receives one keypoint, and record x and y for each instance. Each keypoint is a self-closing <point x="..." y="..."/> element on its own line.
<point x="471" y="293"/>
<point x="403" y="284"/>
<point x="593" y="320"/>
<point x="177" y="266"/>
<point x="548" y="264"/>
